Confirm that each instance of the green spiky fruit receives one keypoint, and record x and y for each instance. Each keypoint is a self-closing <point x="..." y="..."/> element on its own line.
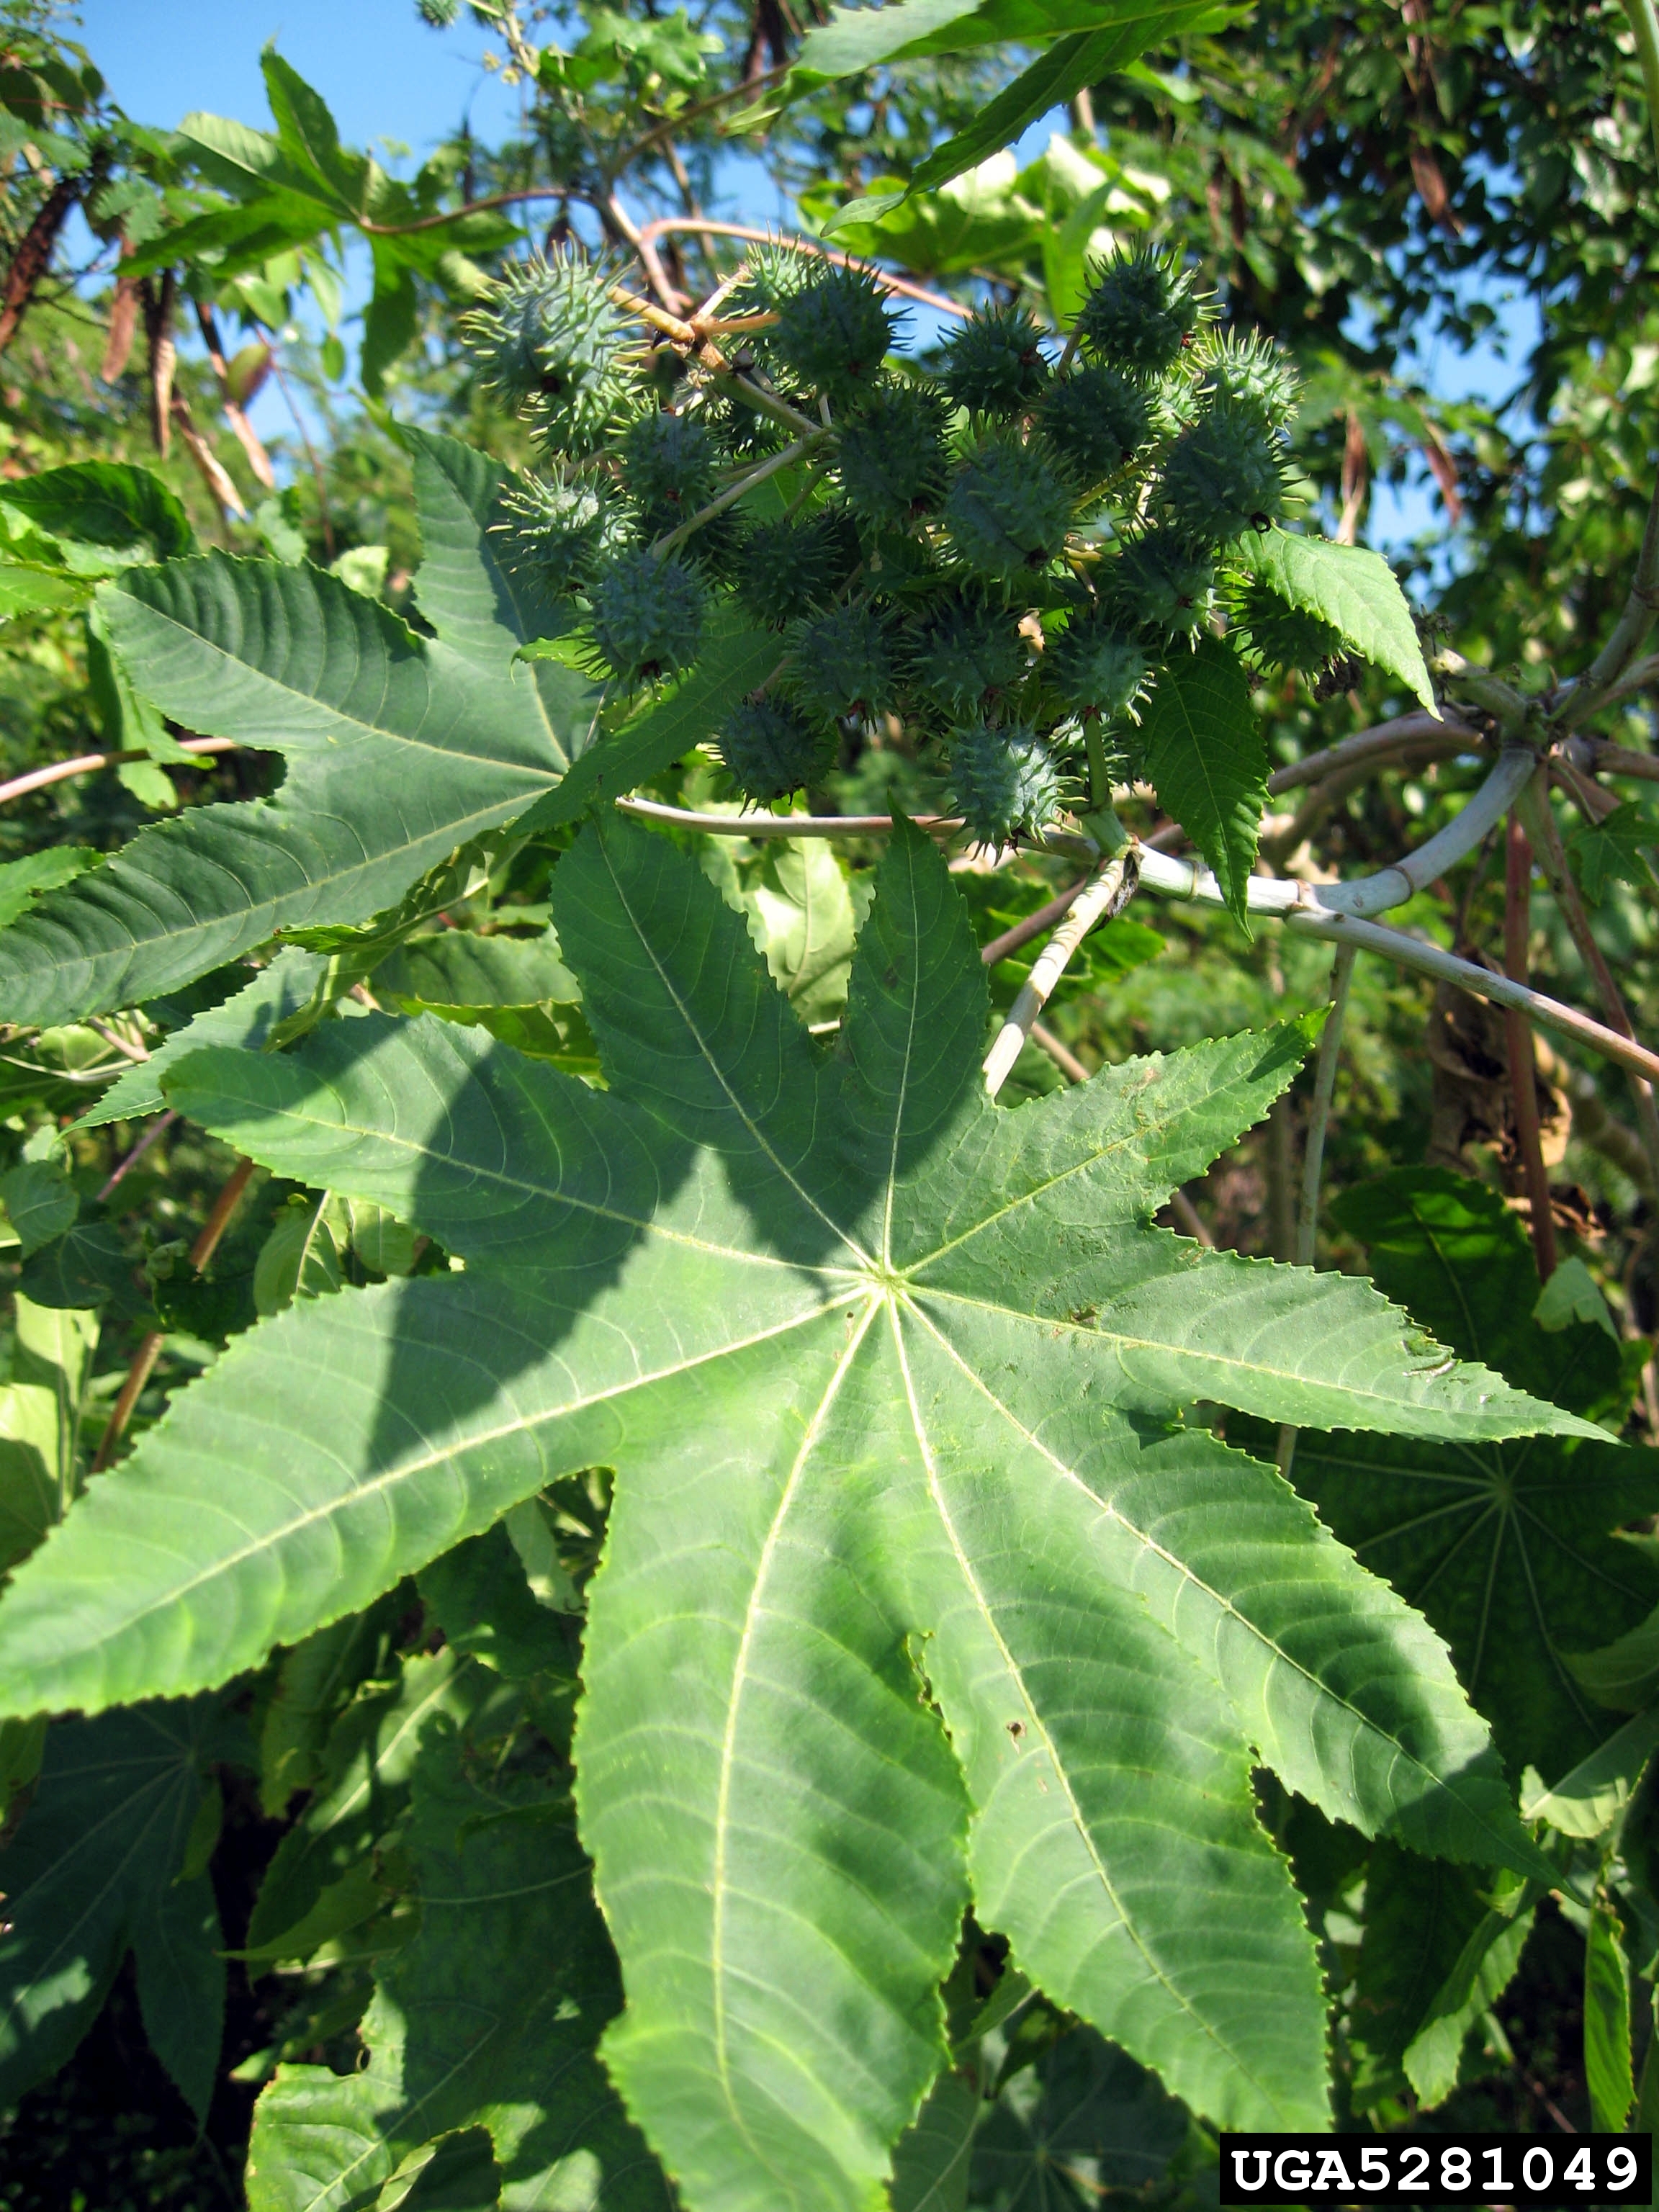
<point x="547" y="340"/>
<point x="1007" y="511"/>
<point x="1095" y="419"/>
<point x="1282" y="636"/>
<point x="1248" y="369"/>
<point x="647" y="616"/>
<point x="892" y="457"/>
<point x="1142" y="312"/>
<point x="782" y="567"/>
<point x="438" y="15"/>
<point x="1160" y="586"/>
<point x="668" y="469"/>
<point x="770" y="748"/>
<point x="994" y="364"/>
<point x="556" y="532"/>
<point x="843" y="662"/>
<point x="966" y="655"/>
<point x="772" y="275"/>
<point x="1095" y="668"/>
<point x="834" y="334"/>
<point x="1003" y="780"/>
<point x="1223" y="475"/>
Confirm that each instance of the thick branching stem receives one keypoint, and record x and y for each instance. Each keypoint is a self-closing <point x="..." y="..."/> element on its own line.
<point x="1107" y="892"/>
<point x="1538" y="823"/>
<point x="143" y="1360"/>
<point x="1518" y="1036"/>
<point x="1380" y="743"/>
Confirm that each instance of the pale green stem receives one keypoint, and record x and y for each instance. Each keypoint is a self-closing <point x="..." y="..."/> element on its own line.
<point x="1313" y="1157"/>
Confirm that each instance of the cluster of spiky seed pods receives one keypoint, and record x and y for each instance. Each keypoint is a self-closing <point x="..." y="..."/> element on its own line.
<point x="1001" y="546"/>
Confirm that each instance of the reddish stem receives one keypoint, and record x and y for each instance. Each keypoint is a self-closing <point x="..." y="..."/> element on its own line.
<point x="1517" y="1030"/>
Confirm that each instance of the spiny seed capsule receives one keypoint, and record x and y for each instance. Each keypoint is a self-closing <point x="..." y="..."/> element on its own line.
<point x="1003" y="779"/>
<point x="1279" y="635"/>
<point x="966" y="655"/>
<point x="1250" y="370"/>
<point x="1095" y="419"/>
<point x="994" y="364"/>
<point x="1142" y="312"/>
<point x="835" y="333"/>
<point x="843" y="662"/>
<point x="1095" y="668"/>
<point x="668" y="468"/>
<point x="1007" y="511"/>
<point x="647" y="616"/>
<point x="1223" y="475"/>
<point x="782" y="567"/>
<point x="892" y="457"/>
<point x="1160" y="586"/>
<point x="772" y="275"/>
<point x="548" y="340"/>
<point x="555" y="531"/>
<point x="770" y="748"/>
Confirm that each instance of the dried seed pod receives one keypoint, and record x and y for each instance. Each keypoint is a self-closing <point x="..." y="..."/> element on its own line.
<point x="965" y="655"/>
<point x="1008" y="510"/>
<point x="834" y="334"/>
<point x="1095" y="668"/>
<point x="994" y="364"/>
<point x="843" y="663"/>
<point x="892" y="457"/>
<point x="647" y="616"/>
<point x="1142" y="312"/>
<point x="1003" y="779"/>
<point x="547" y="340"/>
<point x="770" y="748"/>
<point x="1095" y="419"/>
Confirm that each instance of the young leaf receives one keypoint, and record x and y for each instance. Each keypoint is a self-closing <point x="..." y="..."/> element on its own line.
<point x="246" y="1018"/>
<point x="487" y="2017"/>
<point x="1207" y="755"/>
<point x="1080" y="2122"/>
<point x="40" y="1412"/>
<point x="1607" y="2021"/>
<point x="1485" y="1967"/>
<point x="1619" y="850"/>
<point x="1351" y="588"/>
<point x="87" y="1877"/>
<point x="400" y="748"/>
<point x="1420" y="1915"/>
<point x="882" y="1411"/>
<point x="1506" y="1547"/>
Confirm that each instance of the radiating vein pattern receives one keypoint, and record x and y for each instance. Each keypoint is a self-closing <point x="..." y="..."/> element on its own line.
<point x="915" y="1593"/>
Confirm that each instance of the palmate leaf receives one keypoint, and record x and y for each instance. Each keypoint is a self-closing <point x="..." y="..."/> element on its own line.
<point x="399" y="749"/>
<point x="97" y="1867"/>
<point x="887" y="1376"/>
<point x="489" y="2017"/>
<point x="1507" y="1547"/>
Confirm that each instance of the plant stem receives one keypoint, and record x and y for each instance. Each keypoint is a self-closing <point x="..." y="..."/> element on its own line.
<point x="1517" y="1032"/>
<point x="157" y="1128"/>
<point x="145" y="1357"/>
<point x="1106" y="893"/>
<point x="734" y="492"/>
<point x="1062" y="1055"/>
<point x="1032" y="925"/>
<point x="1383" y="739"/>
<point x="37" y="779"/>
<point x="1540" y="821"/>
<point x="1313" y="1154"/>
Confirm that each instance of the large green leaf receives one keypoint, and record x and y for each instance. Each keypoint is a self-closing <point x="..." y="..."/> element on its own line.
<point x="1351" y="588"/>
<point x="399" y="749"/>
<point x="1207" y="753"/>
<point x="40" y="1410"/>
<point x="1506" y="1546"/>
<point x="1079" y="2122"/>
<point x="489" y="2016"/>
<point x="98" y="1868"/>
<point x="887" y="1378"/>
